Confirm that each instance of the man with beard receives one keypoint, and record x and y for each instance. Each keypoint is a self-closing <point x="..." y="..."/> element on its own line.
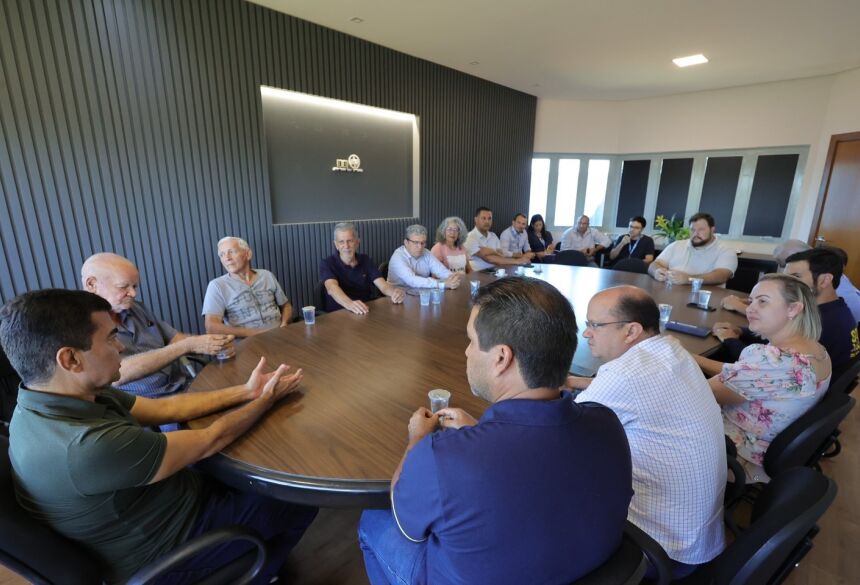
<point x="702" y="256"/>
<point x="821" y="270"/>
<point x="534" y="492"/>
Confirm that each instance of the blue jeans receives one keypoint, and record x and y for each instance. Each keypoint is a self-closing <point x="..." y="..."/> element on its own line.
<point x="280" y="524"/>
<point x="389" y="557"/>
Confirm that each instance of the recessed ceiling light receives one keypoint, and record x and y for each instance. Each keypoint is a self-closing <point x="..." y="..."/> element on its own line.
<point x="356" y="19"/>
<point x="474" y="63"/>
<point x="690" y="60"/>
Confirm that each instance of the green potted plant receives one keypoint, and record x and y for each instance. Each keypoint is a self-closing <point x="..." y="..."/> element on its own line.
<point x="671" y="229"/>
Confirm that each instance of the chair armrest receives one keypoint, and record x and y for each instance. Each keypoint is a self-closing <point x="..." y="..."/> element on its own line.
<point x="653" y="551"/>
<point x="197" y="545"/>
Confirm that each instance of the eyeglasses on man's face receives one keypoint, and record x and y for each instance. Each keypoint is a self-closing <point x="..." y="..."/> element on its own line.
<point x="596" y="325"/>
<point x="420" y="243"/>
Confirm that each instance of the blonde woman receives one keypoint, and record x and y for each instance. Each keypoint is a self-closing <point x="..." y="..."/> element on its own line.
<point x="773" y="384"/>
<point x="449" y="249"/>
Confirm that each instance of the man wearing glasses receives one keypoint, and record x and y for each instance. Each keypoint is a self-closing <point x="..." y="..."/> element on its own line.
<point x="412" y="265"/>
<point x="672" y="421"/>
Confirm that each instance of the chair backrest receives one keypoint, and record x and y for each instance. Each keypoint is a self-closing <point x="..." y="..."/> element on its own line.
<point x="321" y="296"/>
<point x="9" y="382"/>
<point x="383" y="269"/>
<point x="33" y="550"/>
<point x="628" y="564"/>
<point x="783" y="523"/>
<point x="571" y="258"/>
<point x="631" y="265"/>
<point x="845" y="379"/>
<point x="804" y="441"/>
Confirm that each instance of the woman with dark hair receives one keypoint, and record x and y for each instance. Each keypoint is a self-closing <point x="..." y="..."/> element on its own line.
<point x="540" y="239"/>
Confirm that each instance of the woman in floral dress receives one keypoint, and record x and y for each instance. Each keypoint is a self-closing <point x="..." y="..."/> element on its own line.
<point x="773" y="384"/>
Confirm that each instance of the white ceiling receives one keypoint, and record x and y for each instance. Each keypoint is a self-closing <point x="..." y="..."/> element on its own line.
<point x="606" y="49"/>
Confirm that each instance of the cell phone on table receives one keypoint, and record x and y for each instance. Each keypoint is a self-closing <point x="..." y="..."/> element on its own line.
<point x="701" y="308"/>
<point x="688" y="329"/>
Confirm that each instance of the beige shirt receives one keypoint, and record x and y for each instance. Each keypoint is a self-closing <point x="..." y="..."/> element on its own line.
<point x="683" y="256"/>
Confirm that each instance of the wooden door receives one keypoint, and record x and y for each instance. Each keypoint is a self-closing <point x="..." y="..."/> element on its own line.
<point x="838" y="211"/>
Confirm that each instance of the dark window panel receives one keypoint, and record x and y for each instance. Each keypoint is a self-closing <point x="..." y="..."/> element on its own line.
<point x="719" y="189"/>
<point x="674" y="186"/>
<point x="634" y="184"/>
<point x="771" y="190"/>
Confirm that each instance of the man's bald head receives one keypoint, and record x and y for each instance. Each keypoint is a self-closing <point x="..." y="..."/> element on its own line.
<point x="631" y="303"/>
<point x="112" y="277"/>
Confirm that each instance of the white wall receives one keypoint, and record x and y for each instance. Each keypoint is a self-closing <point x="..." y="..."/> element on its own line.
<point x="787" y="113"/>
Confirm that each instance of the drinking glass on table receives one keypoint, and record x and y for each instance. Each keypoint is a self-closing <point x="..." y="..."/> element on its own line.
<point x="665" y="312"/>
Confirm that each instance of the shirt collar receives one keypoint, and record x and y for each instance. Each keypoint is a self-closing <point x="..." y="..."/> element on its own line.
<point x="60" y="405"/>
<point x="531" y="412"/>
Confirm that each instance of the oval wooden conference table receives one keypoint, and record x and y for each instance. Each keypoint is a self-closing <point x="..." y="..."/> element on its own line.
<point x="337" y="441"/>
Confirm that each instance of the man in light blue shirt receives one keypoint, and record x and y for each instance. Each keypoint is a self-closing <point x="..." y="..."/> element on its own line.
<point x="412" y="265"/>
<point x="515" y="239"/>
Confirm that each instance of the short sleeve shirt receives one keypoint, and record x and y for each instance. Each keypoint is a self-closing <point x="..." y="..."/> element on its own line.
<point x="494" y="501"/>
<point x="255" y="306"/>
<point x="140" y="331"/>
<point x="571" y="239"/>
<point x="642" y="247"/>
<point x="683" y="256"/>
<point x="475" y="241"/>
<point x="355" y="281"/>
<point x="83" y="467"/>
<point x="839" y="333"/>
<point x="675" y="430"/>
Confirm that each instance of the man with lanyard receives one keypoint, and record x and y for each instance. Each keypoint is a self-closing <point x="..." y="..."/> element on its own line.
<point x="633" y="244"/>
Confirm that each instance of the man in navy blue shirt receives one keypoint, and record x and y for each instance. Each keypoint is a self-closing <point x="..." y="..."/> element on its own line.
<point x="349" y="277"/>
<point x="821" y="270"/>
<point x="536" y="491"/>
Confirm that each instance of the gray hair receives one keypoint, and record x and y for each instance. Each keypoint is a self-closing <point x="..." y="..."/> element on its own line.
<point x="345" y="226"/>
<point x="440" y="231"/>
<point x="416" y="230"/>
<point x="243" y="245"/>
<point x="794" y="290"/>
<point x="99" y="264"/>
<point x="789" y="248"/>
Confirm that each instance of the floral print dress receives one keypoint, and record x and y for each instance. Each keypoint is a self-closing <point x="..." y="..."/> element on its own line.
<point x="779" y="386"/>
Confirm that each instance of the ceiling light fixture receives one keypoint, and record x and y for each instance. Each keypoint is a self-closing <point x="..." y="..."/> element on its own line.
<point x="690" y="60"/>
<point x="356" y="20"/>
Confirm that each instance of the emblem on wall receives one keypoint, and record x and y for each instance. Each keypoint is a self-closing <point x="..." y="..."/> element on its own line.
<point x="351" y="164"/>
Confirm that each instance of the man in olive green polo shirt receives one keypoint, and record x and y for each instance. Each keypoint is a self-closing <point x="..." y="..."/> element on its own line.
<point x="85" y="465"/>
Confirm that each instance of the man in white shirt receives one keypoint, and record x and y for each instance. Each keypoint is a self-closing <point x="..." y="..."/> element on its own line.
<point x="702" y="256"/>
<point x="412" y="265"/>
<point x="588" y="240"/>
<point x="484" y="247"/>
<point x="672" y="421"/>
<point x="515" y="239"/>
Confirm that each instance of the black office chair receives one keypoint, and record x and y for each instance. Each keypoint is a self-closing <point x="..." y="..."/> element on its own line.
<point x="627" y="566"/>
<point x="806" y="440"/>
<point x="631" y="265"/>
<point x="9" y="382"/>
<point x="43" y="557"/>
<point x="780" y="534"/>
<point x="845" y="379"/>
<point x="322" y="297"/>
<point x="571" y="258"/>
<point x="383" y="268"/>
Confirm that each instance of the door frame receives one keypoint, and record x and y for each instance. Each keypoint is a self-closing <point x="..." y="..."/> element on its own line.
<point x="825" y="180"/>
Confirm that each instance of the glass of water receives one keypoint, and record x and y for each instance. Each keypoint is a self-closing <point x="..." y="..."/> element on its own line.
<point x="665" y="312"/>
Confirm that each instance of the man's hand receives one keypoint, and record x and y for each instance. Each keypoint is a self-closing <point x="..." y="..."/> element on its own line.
<point x="551" y="248"/>
<point x="723" y="331"/>
<point x="397" y="296"/>
<point x="678" y="277"/>
<point x="453" y="281"/>
<point x="661" y="274"/>
<point x="589" y="252"/>
<point x="455" y="418"/>
<point x="625" y="240"/>
<point x="357" y="307"/>
<point x="421" y="424"/>
<point x="577" y="382"/>
<point x="274" y="385"/>
<point x="735" y="303"/>
<point x="517" y="255"/>
<point x="209" y="344"/>
<point x="529" y="255"/>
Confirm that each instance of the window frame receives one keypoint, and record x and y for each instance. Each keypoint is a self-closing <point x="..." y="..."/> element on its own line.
<point x="749" y="160"/>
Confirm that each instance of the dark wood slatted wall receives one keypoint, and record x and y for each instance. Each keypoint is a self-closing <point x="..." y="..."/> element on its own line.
<point x="134" y="126"/>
